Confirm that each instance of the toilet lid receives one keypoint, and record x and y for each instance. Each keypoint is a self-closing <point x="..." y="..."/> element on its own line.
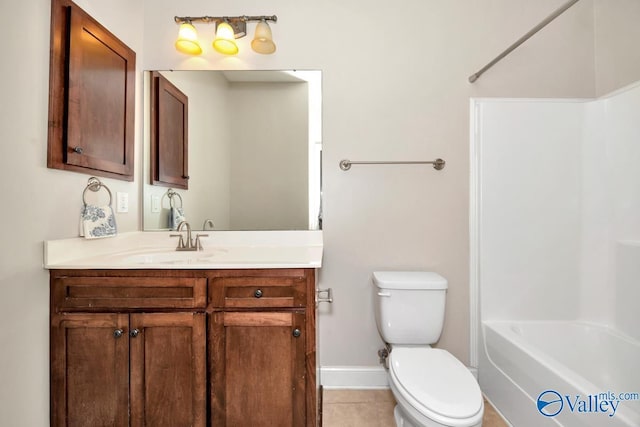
<point x="436" y="380"/>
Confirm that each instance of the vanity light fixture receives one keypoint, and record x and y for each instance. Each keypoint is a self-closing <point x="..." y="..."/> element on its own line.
<point x="227" y="29"/>
<point x="225" y="41"/>
<point x="188" y="39"/>
<point x="263" y="40"/>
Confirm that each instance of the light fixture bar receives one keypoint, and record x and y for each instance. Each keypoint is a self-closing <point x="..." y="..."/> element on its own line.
<point x="210" y="19"/>
<point x="227" y="29"/>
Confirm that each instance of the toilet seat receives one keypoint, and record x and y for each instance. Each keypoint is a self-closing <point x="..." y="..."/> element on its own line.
<point x="437" y="385"/>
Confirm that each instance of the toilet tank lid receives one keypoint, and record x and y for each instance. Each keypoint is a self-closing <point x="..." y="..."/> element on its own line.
<point x="409" y="280"/>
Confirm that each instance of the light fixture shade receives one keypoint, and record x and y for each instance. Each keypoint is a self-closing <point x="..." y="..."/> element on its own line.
<point x="225" y="41"/>
<point x="188" y="40"/>
<point x="263" y="40"/>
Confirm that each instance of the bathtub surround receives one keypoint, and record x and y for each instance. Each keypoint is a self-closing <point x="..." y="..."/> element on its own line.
<point x="575" y="367"/>
<point x="627" y="267"/>
<point x="383" y="100"/>
<point x="558" y="237"/>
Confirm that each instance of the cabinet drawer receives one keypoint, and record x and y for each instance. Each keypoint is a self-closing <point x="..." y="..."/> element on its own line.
<point x="257" y="292"/>
<point x="83" y="293"/>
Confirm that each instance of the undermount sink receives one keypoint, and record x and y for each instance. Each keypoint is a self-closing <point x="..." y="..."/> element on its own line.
<point x="228" y="255"/>
<point x="172" y="257"/>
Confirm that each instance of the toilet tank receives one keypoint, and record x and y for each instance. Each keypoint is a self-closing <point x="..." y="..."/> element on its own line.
<point x="409" y="306"/>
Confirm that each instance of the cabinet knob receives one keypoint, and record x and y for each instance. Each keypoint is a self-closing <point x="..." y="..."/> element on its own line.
<point x="258" y="293"/>
<point x="78" y="150"/>
<point x="297" y="333"/>
<point x="117" y="333"/>
<point x="134" y="333"/>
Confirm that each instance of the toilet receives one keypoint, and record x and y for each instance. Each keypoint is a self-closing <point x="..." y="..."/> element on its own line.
<point x="431" y="387"/>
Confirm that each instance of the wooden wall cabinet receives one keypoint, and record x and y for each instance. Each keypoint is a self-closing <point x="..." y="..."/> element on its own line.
<point x="153" y="347"/>
<point x="169" y="134"/>
<point x="91" y="96"/>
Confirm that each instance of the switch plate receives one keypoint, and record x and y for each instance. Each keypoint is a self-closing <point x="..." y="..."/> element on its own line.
<point x="122" y="202"/>
<point x="155" y="203"/>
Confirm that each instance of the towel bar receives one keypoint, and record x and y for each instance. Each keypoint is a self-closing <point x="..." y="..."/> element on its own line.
<point x="438" y="164"/>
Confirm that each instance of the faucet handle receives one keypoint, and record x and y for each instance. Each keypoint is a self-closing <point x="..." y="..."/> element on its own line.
<point x="180" y="242"/>
<point x="198" y="244"/>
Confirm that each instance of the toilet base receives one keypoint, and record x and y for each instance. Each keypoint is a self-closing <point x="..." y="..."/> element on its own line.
<point x="406" y="416"/>
<point x="405" y="420"/>
<point x="401" y="421"/>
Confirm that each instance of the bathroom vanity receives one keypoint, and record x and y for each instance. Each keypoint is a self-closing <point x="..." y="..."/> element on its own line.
<point x="149" y="336"/>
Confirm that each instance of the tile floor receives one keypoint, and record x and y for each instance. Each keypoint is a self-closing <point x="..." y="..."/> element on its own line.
<point x="374" y="408"/>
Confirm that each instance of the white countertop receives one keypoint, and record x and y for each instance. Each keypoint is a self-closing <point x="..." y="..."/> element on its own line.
<point x="156" y="249"/>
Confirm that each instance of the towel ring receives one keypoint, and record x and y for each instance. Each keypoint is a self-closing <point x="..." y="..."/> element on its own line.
<point x="94" y="184"/>
<point x="170" y="194"/>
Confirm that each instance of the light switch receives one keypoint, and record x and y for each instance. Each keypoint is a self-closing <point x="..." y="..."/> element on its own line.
<point x="122" y="202"/>
<point x="155" y="203"/>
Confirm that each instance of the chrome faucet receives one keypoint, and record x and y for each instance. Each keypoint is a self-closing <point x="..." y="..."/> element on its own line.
<point x="188" y="244"/>
<point x="209" y="223"/>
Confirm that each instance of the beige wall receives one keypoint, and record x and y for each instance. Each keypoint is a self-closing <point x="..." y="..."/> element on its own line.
<point x="617" y="56"/>
<point x="40" y="203"/>
<point x="395" y="87"/>
<point x="269" y="156"/>
<point x="389" y="93"/>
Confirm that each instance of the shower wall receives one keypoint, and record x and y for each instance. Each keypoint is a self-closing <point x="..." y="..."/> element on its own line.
<point x="622" y="142"/>
<point x="557" y="210"/>
<point x="529" y="178"/>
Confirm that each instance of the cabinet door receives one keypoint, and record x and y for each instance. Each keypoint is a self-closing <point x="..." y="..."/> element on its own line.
<point x="258" y="369"/>
<point x="92" y="96"/>
<point x="169" y="134"/>
<point x="168" y="369"/>
<point x="89" y="370"/>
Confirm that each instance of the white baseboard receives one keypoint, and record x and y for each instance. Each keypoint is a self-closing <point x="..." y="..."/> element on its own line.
<point x="358" y="377"/>
<point x="353" y="377"/>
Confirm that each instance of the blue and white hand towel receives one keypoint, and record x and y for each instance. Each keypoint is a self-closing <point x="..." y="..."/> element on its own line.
<point x="97" y="222"/>
<point x="176" y="216"/>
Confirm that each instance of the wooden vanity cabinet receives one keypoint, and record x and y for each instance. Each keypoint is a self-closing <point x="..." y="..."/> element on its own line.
<point x="183" y="348"/>
<point x="262" y="348"/>
<point x="121" y="356"/>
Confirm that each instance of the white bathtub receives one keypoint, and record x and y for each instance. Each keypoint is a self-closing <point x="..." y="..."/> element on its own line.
<point x="576" y="361"/>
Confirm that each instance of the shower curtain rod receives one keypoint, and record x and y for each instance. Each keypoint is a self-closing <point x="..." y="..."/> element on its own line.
<point x="507" y="51"/>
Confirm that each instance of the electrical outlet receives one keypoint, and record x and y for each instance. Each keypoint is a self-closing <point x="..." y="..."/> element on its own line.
<point x="155" y="203"/>
<point x="122" y="202"/>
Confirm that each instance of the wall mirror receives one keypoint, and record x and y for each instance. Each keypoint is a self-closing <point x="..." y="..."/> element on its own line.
<point x="254" y="152"/>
